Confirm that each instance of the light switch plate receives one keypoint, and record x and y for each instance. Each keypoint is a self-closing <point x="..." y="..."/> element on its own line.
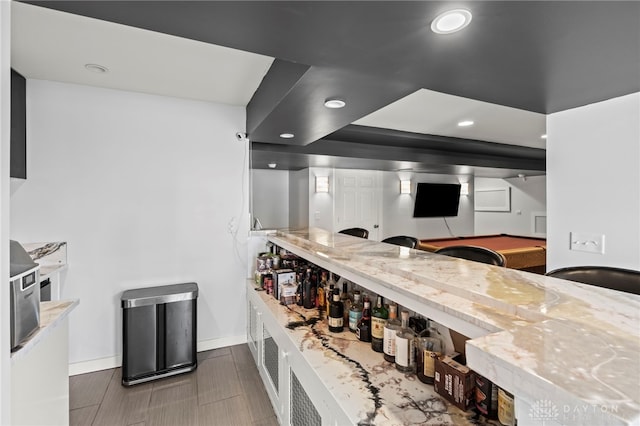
<point x="590" y="243"/>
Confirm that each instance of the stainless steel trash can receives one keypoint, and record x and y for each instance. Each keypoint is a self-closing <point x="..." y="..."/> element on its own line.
<point x="159" y="332"/>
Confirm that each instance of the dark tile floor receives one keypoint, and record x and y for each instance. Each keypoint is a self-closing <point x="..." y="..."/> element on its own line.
<point x="224" y="390"/>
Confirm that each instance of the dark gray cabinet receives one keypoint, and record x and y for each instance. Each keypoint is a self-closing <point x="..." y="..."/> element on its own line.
<point x="18" y="126"/>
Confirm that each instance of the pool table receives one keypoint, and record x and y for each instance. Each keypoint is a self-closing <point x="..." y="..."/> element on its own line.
<point x="526" y="253"/>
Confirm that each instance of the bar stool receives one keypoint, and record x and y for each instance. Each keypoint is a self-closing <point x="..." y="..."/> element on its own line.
<point x="626" y="280"/>
<point x="402" y="240"/>
<point x="477" y="254"/>
<point x="356" y="232"/>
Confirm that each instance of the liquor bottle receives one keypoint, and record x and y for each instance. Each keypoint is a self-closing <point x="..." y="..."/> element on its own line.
<point x="379" y="316"/>
<point x="322" y="303"/>
<point x="429" y="346"/>
<point x="308" y="291"/>
<point x="336" y="314"/>
<point x="300" y="290"/>
<point x="355" y="313"/>
<point x="389" y="339"/>
<point x="364" y="325"/>
<point x="506" y="411"/>
<point x="405" y="352"/>
<point x="346" y="301"/>
<point x="328" y="296"/>
<point x="328" y="291"/>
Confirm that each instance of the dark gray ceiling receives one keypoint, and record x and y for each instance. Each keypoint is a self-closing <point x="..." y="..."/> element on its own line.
<point x="541" y="56"/>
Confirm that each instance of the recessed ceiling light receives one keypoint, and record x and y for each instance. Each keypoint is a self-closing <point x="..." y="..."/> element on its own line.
<point x="543" y="136"/>
<point x="465" y="123"/>
<point x="451" y="21"/>
<point x="334" y="103"/>
<point x="98" y="69"/>
<point x="272" y="165"/>
<point x="286" y="135"/>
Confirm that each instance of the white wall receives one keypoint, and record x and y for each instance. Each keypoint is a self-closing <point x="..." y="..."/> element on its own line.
<point x="5" y="128"/>
<point x="145" y="190"/>
<point x="593" y="184"/>
<point x="299" y="198"/>
<point x="528" y="197"/>
<point x="321" y="205"/>
<point x="397" y="210"/>
<point x="270" y="197"/>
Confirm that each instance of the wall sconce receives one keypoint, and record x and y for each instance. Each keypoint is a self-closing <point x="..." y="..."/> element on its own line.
<point x="464" y="188"/>
<point x="405" y="187"/>
<point x="322" y="183"/>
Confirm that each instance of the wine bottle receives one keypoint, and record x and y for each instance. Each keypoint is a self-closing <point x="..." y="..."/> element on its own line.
<point x="346" y="301"/>
<point x="379" y="316"/>
<point x="355" y="313"/>
<point x="405" y="349"/>
<point x="309" y="291"/>
<point x="390" y="330"/>
<point x="336" y="314"/>
<point x="363" y="331"/>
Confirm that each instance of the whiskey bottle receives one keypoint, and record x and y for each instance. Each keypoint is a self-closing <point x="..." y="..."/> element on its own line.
<point x="429" y="346"/>
<point x="363" y="331"/>
<point x="405" y="352"/>
<point x="379" y="316"/>
<point x="322" y="304"/>
<point x="336" y="314"/>
<point x="390" y="330"/>
<point x="355" y="313"/>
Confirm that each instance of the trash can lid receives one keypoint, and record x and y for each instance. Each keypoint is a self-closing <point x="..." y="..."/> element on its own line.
<point x="159" y="294"/>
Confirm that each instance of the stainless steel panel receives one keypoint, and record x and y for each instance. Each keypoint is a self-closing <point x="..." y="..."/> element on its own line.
<point x="180" y="332"/>
<point x="24" y="304"/>
<point x="139" y="342"/>
<point x="158" y="295"/>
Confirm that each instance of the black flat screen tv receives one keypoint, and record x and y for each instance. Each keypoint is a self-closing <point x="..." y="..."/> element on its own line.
<point x="436" y="200"/>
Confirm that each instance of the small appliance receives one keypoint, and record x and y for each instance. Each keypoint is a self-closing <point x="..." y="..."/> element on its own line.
<point x="24" y="294"/>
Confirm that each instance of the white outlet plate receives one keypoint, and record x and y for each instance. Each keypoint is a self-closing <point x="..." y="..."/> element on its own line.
<point x="590" y="243"/>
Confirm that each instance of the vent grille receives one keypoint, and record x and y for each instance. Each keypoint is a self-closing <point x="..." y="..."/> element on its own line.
<point x="303" y="412"/>
<point x="271" y="358"/>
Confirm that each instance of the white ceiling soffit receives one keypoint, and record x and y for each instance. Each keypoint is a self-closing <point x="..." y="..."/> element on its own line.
<point x="435" y="113"/>
<point x="52" y="45"/>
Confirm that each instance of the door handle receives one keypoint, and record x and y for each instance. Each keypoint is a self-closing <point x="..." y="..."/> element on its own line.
<point x="376" y="226"/>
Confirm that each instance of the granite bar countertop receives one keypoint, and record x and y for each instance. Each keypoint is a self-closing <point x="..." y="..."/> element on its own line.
<point x="553" y="343"/>
<point x="368" y="389"/>
<point x="51" y="316"/>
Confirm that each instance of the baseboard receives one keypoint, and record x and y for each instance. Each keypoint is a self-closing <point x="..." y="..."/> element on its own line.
<point x="116" y="361"/>
<point x="222" y="342"/>
<point x="94" y="365"/>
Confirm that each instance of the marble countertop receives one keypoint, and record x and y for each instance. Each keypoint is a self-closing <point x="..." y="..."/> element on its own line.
<point x="368" y="389"/>
<point x="52" y="257"/>
<point x="550" y="341"/>
<point x="51" y="315"/>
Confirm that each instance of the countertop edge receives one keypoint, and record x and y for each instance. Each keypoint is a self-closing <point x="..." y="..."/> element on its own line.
<point x="52" y="314"/>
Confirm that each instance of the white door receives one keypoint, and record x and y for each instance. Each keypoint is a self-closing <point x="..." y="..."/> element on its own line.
<point x="357" y="202"/>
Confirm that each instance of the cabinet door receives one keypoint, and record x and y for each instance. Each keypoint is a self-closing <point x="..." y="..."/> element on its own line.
<point x="18" y="126"/>
<point x="252" y="330"/>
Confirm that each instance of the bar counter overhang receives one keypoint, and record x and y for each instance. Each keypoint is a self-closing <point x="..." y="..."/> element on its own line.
<point x="569" y="352"/>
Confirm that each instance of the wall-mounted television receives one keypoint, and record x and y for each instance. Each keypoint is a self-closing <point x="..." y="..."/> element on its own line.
<point x="436" y="199"/>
